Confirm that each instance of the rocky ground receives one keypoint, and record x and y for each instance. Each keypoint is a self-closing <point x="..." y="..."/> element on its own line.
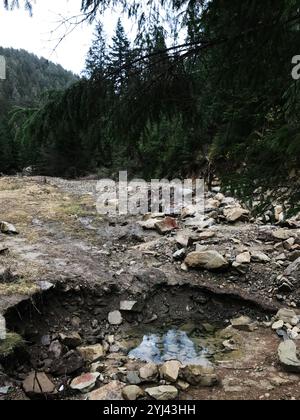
<point x="79" y="290"/>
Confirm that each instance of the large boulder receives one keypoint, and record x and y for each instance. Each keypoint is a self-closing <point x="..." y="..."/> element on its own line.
<point x="287" y="353"/>
<point x="208" y="260"/>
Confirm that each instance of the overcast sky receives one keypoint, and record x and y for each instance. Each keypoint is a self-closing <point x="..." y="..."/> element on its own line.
<point x="39" y="34"/>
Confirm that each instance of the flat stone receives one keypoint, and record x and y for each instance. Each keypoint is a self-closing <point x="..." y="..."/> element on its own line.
<point x="182" y="238"/>
<point x="277" y="325"/>
<point x="170" y="370"/>
<point x="166" y="226"/>
<point x="282" y="234"/>
<point x="71" y="340"/>
<point x="293" y="268"/>
<point x="110" y="392"/>
<point x="132" y="393"/>
<point x="85" y="383"/>
<point x="243" y="323"/>
<point x="149" y="224"/>
<point x="149" y="372"/>
<point x="204" y="236"/>
<point x="244" y="258"/>
<point x="91" y="354"/>
<point x="37" y="384"/>
<point x="235" y="214"/>
<point x="259" y="257"/>
<point x="115" y="318"/>
<point x="203" y="376"/>
<point x="128" y="305"/>
<point x="208" y="260"/>
<point x="163" y="393"/>
<point x="182" y="385"/>
<point x="287" y="353"/>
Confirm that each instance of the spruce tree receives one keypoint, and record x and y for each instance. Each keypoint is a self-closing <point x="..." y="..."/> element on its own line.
<point x="96" y="61"/>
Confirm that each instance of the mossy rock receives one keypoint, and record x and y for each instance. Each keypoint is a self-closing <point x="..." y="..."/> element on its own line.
<point x="10" y="345"/>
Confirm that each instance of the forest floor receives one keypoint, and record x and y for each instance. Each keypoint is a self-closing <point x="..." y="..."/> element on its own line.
<point x="69" y="268"/>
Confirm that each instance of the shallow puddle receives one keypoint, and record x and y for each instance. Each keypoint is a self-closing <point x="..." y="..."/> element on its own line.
<point x="173" y="345"/>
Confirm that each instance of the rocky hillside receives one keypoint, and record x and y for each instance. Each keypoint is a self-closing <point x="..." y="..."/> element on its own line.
<point x="104" y="300"/>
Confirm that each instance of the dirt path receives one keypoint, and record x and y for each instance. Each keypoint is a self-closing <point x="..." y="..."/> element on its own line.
<point x="64" y="245"/>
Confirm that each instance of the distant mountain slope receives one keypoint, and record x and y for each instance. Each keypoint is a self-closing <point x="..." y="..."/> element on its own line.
<point x="28" y="77"/>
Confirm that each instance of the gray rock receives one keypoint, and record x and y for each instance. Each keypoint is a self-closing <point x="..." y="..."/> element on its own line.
<point x="170" y="370"/>
<point x="288" y="316"/>
<point x="133" y="378"/>
<point x="132" y="393"/>
<point x="293" y="268"/>
<point x="115" y="318"/>
<point x="179" y="255"/>
<point x="234" y="214"/>
<point x="163" y="393"/>
<point x="92" y="354"/>
<point x="196" y="375"/>
<point x="282" y="234"/>
<point x="287" y="353"/>
<point x="243" y="323"/>
<point x="278" y="325"/>
<point x="208" y="260"/>
<point x="149" y="372"/>
<point x="259" y="257"/>
<point x="109" y="392"/>
<point x="128" y="305"/>
<point x="244" y="258"/>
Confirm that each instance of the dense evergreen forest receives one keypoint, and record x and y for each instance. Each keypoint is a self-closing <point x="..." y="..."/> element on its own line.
<point x="29" y="78"/>
<point x="215" y="95"/>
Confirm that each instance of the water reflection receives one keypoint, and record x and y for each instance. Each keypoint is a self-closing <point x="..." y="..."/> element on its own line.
<point x="174" y="345"/>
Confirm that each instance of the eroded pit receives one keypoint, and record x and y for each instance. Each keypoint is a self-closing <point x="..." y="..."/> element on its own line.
<point x="170" y="323"/>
